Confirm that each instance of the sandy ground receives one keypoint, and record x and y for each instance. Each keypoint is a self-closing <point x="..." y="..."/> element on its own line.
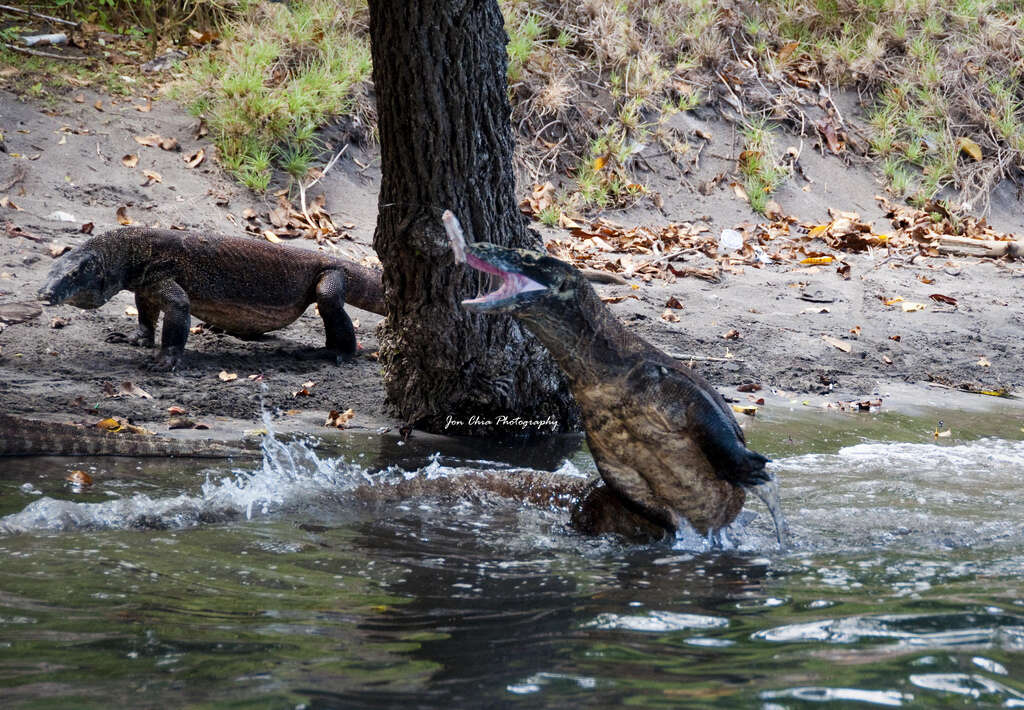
<point x="70" y="160"/>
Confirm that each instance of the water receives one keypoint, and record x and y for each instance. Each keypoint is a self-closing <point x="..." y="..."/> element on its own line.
<point x="291" y="584"/>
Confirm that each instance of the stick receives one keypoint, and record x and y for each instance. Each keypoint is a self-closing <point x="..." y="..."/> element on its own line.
<point x="37" y="53"/>
<point x="58" y="20"/>
<point x="303" y="188"/>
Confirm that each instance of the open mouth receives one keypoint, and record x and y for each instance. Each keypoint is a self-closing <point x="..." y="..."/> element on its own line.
<point x="513" y="284"/>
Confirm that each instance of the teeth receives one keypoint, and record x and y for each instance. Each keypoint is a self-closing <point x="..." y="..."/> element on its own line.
<point x="511" y="285"/>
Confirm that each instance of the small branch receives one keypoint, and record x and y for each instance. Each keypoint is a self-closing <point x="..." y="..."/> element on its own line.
<point x="37" y="53"/>
<point x="303" y="188"/>
<point x="58" y="20"/>
<point x="702" y="358"/>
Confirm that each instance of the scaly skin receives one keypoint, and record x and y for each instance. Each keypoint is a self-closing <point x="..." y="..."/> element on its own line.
<point x="32" y="437"/>
<point x="245" y="286"/>
<point x="664" y="441"/>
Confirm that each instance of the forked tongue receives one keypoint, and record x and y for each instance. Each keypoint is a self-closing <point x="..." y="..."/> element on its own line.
<point x="769" y="494"/>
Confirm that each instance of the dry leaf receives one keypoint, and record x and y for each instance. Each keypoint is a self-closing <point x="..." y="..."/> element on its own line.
<point x="194" y="159"/>
<point x="146" y="107"/>
<point x="983" y="362"/>
<point x="339" y="419"/>
<point x="968" y="146"/>
<point x="169" y="144"/>
<point x="152" y="140"/>
<point x="817" y="260"/>
<point x="836" y="343"/>
<point x="109" y="424"/>
<point x="130" y="160"/>
<point x="58" y="323"/>
<point x="151" y="177"/>
<point x="131" y="311"/>
<point x="855" y="331"/>
<point x="98" y="105"/>
<point x="181" y="423"/>
<point x="744" y="409"/>
<point x="126" y="389"/>
<point x="122" y="216"/>
<point x="79" y="478"/>
<point x="910" y="306"/>
<point x="226" y="376"/>
<point x="306" y="390"/>
<point x="271" y="237"/>
<point x="732" y="335"/>
<point x="669" y="317"/>
<point x="176" y="410"/>
<point x="59" y="249"/>
<point x="749" y="387"/>
<point x="673" y="302"/>
<point x="949" y="300"/>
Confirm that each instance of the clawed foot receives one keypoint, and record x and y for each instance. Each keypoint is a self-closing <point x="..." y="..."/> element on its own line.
<point x="137" y="338"/>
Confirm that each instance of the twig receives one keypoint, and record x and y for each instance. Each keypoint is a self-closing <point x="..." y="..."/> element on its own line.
<point x="37" y="53"/>
<point x="702" y="358"/>
<point x="303" y="188"/>
<point x="58" y="20"/>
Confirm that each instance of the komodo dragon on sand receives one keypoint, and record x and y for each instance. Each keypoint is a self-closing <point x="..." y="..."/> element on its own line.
<point x="245" y="286"/>
<point x="664" y="441"/>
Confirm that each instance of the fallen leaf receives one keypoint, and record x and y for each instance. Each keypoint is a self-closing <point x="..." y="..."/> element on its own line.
<point x="131" y="311"/>
<point x="109" y="424"/>
<point x="59" y="249"/>
<point x="79" y="478"/>
<point x="740" y="191"/>
<point x="176" y="410"/>
<point x="271" y="237"/>
<point x="966" y="145"/>
<point x="151" y="177"/>
<point x="146" y="107"/>
<point x="892" y="301"/>
<point x="744" y="409"/>
<point x="910" y="306"/>
<point x="130" y="160"/>
<point x="181" y="423"/>
<point x="226" y="376"/>
<point x="749" y="387"/>
<point x="669" y="317"/>
<point x="732" y="334"/>
<point x="306" y="390"/>
<point x="897" y="338"/>
<point x="98" y="105"/>
<point x="58" y="323"/>
<point x="87" y="228"/>
<point x="943" y="299"/>
<point x="122" y="216"/>
<point x="674" y="302"/>
<point x="855" y="331"/>
<point x="169" y="144"/>
<point x="817" y="260"/>
<point x="983" y="362"/>
<point x="837" y="344"/>
<point x="339" y="419"/>
<point x="126" y="389"/>
<point x="194" y="159"/>
<point x="151" y="141"/>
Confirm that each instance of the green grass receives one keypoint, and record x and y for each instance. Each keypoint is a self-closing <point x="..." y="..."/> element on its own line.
<point x="760" y="169"/>
<point x="280" y="73"/>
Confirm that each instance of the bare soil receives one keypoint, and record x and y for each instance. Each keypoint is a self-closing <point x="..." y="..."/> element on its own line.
<point x="59" y="364"/>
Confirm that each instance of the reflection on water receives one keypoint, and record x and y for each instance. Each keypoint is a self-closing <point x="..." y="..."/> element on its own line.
<point x="292" y="584"/>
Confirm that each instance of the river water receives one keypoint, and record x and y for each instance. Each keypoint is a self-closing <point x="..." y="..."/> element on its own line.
<point x="273" y="585"/>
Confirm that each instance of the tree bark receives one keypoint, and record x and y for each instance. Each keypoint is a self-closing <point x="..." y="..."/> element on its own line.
<point x="446" y="143"/>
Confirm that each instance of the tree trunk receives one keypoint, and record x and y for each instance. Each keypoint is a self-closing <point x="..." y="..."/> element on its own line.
<point x="446" y="143"/>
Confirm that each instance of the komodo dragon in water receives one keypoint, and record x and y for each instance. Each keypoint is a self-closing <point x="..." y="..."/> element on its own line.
<point x="664" y="441"/>
<point x="31" y="437"/>
<point x="245" y="286"/>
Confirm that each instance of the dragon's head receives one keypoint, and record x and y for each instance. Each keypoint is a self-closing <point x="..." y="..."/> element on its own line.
<point x="79" y="279"/>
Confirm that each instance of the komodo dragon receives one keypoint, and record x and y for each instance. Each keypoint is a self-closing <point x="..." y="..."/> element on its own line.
<point x="245" y="286"/>
<point x="664" y="441"/>
<point x="32" y="437"/>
